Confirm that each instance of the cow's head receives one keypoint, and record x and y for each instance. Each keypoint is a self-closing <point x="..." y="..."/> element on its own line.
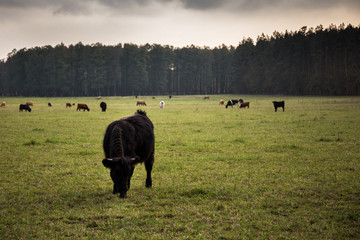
<point x="227" y="104"/>
<point x="121" y="170"/>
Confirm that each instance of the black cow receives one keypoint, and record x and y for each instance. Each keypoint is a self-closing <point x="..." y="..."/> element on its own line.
<point x="24" y="107"/>
<point x="103" y="106"/>
<point x="231" y="103"/>
<point x="127" y="142"/>
<point x="279" y="104"/>
<point x="49" y="104"/>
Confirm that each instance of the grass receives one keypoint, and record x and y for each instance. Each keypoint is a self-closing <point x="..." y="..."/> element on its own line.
<point x="218" y="173"/>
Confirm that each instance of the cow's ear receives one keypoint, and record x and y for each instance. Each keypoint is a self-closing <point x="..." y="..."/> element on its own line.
<point x="108" y="162"/>
<point x="135" y="160"/>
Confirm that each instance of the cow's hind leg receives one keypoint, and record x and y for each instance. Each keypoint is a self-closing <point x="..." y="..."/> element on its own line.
<point x="148" y="166"/>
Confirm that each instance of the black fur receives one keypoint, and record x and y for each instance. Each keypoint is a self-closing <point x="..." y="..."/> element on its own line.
<point x="127" y="142"/>
<point x="231" y="103"/>
<point x="103" y="106"/>
<point x="279" y="104"/>
<point x="24" y="107"/>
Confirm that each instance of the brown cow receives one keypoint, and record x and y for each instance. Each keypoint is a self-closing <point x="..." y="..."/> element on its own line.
<point x="68" y="104"/>
<point x="82" y="106"/>
<point x="222" y="102"/>
<point x="141" y="102"/>
<point x="244" y="104"/>
<point x="30" y="103"/>
<point x="3" y="104"/>
<point x="206" y="97"/>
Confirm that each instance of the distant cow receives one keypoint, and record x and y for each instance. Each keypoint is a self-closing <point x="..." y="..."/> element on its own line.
<point x="206" y="97"/>
<point x="24" y="107"/>
<point x="141" y="102"/>
<point x="127" y="142"/>
<point x="3" y="104"/>
<point x="221" y="102"/>
<point x="82" y="106"/>
<point x="30" y="103"/>
<point x="231" y="103"/>
<point x="49" y="104"/>
<point x="162" y="104"/>
<point x="99" y="97"/>
<point x="241" y="101"/>
<point x="279" y="104"/>
<point x="68" y="104"/>
<point x="103" y="106"/>
<point x="245" y="104"/>
<point x="153" y="97"/>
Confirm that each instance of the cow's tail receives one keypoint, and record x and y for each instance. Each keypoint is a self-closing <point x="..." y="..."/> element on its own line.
<point x="117" y="142"/>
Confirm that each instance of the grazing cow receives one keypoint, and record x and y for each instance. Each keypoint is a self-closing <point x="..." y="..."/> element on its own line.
<point x="153" y="97"/>
<point x="82" y="106"/>
<point x="127" y="142"/>
<point x="206" y="97"/>
<point x="279" y="104"/>
<point x="49" y="104"/>
<point x="3" y="104"/>
<point x="241" y="101"/>
<point x="170" y="97"/>
<point x="24" y="107"/>
<point x="245" y="104"/>
<point x="141" y="102"/>
<point x="221" y="102"/>
<point x="99" y="97"/>
<point x="162" y="104"/>
<point x="30" y="103"/>
<point x="68" y="104"/>
<point x="103" y="106"/>
<point x="231" y="103"/>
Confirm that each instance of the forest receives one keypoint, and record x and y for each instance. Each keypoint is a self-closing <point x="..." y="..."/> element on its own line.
<point x="309" y="61"/>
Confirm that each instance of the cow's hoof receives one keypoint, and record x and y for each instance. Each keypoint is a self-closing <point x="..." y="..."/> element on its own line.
<point x="148" y="183"/>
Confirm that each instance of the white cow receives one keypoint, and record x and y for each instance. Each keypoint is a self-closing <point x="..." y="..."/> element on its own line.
<point x="162" y="104"/>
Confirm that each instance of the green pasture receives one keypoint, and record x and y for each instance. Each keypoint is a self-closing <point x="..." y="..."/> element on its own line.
<point x="218" y="173"/>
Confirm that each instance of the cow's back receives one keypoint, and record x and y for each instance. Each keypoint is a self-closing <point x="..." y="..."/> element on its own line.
<point x="137" y="137"/>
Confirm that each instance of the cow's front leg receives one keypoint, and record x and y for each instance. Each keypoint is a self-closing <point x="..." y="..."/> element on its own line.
<point x="115" y="191"/>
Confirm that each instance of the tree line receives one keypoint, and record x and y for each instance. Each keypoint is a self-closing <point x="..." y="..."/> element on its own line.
<point x="315" y="61"/>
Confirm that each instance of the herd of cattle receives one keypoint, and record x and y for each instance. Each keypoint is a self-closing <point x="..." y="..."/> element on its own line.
<point x="130" y="141"/>
<point x="82" y="106"/>
<point x="241" y="104"/>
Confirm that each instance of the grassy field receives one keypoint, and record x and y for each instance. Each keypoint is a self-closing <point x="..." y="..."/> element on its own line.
<point x="218" y="173"/>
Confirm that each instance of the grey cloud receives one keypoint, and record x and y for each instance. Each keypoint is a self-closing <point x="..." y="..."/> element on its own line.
<point x="246" y="5"/>
<point x="84" y="6"/>
<point x="202" y="4"/>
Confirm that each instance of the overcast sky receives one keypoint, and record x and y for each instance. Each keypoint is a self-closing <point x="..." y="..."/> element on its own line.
<point x="30" y="23"/>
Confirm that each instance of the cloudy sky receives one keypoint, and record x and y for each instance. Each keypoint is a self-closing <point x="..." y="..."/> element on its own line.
<point x="30" y="23"/>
